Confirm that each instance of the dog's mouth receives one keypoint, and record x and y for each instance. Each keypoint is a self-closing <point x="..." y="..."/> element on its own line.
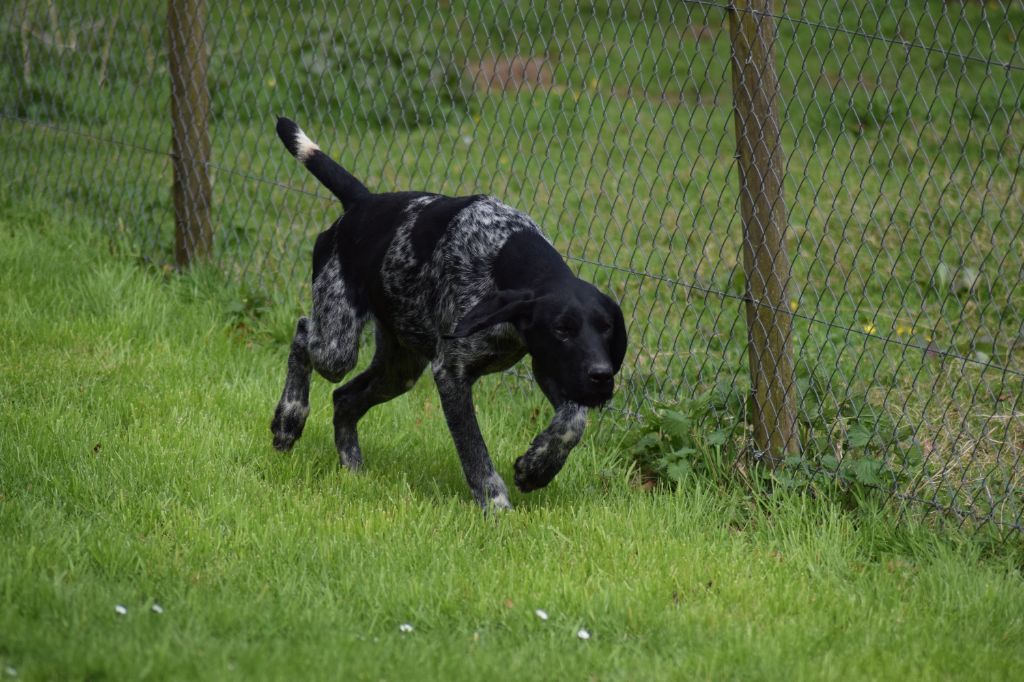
<point x="589" y="393"/>
<point x="597" y="396"/>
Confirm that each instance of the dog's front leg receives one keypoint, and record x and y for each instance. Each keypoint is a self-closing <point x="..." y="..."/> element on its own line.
<point x="457" y="402"/>
<point x="549" y="450"/>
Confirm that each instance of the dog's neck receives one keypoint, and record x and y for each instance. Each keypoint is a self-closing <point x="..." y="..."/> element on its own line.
<point x="528" y="257"/>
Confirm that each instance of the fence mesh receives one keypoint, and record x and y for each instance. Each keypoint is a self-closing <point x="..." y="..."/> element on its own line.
<point x="611" y="123"/>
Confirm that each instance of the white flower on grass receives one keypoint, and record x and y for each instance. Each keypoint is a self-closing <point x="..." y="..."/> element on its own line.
<point x="156" y="608"/>
<point x="542" y="614"/>
<point x="10" y="671"/>
<point x="405" y="628"/>
<point x="583" y="634"/>
<point x="120" y="610"/>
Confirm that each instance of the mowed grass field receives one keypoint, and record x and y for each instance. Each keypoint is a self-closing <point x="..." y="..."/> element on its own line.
<point x="610" y="123"/>
<point x="135" y="464"/>
<point x="136" y="470"/>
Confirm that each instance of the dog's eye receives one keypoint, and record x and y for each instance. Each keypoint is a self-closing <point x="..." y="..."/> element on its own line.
<point x="602" y="325"/>
<point x="562" y="331"/>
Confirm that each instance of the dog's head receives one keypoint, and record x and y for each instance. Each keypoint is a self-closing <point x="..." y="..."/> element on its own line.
<point x="576" y="336"/>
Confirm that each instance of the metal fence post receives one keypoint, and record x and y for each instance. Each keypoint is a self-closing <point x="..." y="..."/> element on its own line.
<point x="190" y="111"/>
<point x="755" y="87"/>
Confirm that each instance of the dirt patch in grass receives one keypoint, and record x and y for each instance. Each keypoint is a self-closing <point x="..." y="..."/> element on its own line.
<point x="510" y="73"/>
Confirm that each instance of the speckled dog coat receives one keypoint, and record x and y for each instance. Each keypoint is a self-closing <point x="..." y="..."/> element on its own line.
<point x="466" y="285"/>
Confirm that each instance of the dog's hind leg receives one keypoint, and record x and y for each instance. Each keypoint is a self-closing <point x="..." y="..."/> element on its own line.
<point x="457" y="401"/>
<point x="392" y="372"/>
<point x="293" y="408"/>
<point x="328" y="343"/>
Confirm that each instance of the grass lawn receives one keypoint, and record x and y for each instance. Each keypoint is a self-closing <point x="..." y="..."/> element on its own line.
<point x="906" y="211"/>
<point x="136" y="469"/>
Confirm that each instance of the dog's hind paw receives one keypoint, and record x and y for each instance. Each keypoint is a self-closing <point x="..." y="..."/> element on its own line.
<point x="351" y="458"/>
<point x="289" y="420"/>
<point x="283" y="442"/>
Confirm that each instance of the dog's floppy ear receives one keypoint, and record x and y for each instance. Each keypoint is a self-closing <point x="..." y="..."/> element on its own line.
<point x="617" y="347"/>
<point x="501" y="306"/>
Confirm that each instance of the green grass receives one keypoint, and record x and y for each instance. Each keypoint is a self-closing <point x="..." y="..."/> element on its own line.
<point x="136" y="467"/>
<point x="902" y="187"/>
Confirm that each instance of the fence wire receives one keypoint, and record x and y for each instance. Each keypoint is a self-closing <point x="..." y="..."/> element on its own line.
<point x="611" y="123"/>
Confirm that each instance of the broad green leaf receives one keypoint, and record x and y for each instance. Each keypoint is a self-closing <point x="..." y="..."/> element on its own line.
<point x="682" y="453"/>
<point x="858" y="436"/>
<point x="647" y="442"/>
<point x="716" y="438"/>
<point x="678" y="470"/>
<point x="676" y="425"/>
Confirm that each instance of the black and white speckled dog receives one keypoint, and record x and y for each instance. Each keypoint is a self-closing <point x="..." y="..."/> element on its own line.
<point x="465" y="284"/>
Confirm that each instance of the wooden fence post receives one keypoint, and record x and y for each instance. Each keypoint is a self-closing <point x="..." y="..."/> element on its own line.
<point x="755" y="85"/>
<point x="190" y="113"/>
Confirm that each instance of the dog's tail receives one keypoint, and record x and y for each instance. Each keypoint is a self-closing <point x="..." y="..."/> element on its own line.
<point x="335" y="178"/>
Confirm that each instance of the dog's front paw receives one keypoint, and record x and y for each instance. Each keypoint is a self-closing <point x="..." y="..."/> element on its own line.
<point x="541" y="463"/>
<point x="494" y="496"/>
<point x="547" y="453"/>
<point x="289" y="420"/>
<point x="496" y="505"/>
<point x="533" y="471"/>
<point x="524" y="478"/>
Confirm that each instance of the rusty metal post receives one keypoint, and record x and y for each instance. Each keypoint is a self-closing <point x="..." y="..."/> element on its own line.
<point x="755" y="86"/>
<point x="190" y="112"/>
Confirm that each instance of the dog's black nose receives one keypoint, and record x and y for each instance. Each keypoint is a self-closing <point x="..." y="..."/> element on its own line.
<point x="600" y="374"/>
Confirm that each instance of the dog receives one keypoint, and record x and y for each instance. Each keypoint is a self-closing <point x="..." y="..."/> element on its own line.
<point x="466" y="285"/>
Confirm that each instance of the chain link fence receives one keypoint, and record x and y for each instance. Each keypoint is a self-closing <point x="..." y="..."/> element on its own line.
<point x="612" y="123"/>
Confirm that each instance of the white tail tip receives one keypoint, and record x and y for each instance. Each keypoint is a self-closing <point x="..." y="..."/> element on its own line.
<point x="304" y="147"/>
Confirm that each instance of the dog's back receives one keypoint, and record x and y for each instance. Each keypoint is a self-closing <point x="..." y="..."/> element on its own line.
<point x="416" y="261"/>
<point x="440" y="262"/>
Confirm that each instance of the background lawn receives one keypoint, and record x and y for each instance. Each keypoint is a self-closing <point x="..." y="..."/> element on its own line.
<point x="135" y="458"/>
<point x="136" y="469"/>
<point x="610" y="122"/>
